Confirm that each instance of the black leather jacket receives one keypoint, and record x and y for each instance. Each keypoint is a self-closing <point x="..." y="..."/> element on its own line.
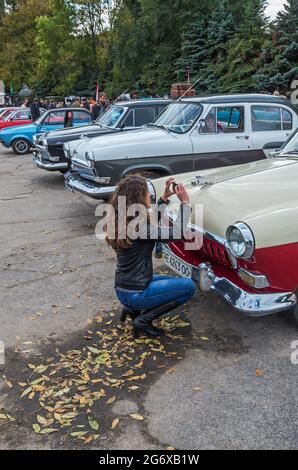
<point x="134" y="270"/>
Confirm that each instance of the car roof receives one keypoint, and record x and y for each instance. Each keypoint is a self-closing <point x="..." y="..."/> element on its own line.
<point x="68" y="109"/>
<point x="238" y="98"/>
<point x="146" y="102"/>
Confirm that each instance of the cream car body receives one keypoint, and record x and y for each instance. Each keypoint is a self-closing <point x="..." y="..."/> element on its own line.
<point x="249" y="254"/>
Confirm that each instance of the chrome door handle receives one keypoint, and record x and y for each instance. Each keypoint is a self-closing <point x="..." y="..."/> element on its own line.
<point x="242" y="137"/>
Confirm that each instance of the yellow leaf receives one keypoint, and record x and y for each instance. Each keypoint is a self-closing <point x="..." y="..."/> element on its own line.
<point x="111" y="400"/>
<point x="25" y="392"/>
<point x="8" y="383"/>
<point x="259" y="373"/>
<point x="170" y="371"/>
<point x="204" y="338"/>
<point x="170" y="448"/>
<point x="41" y="420"/>
<point x="115" y="423"/>
<point x="36" y="428"/>
<point x="137" y="417"/>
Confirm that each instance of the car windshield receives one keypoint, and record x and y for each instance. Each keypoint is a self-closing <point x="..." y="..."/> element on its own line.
<point x="292" y="146"/>
<point x="111" y="117"/>
<point x="179" y="117"/>
<point x="7" y="114"/>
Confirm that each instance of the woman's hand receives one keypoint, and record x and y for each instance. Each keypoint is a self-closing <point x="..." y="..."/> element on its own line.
<point x="182" y="194"/>
<point x="168" y="191"/>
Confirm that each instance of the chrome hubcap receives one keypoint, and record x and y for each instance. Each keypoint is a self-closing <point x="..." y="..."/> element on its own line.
<point x="21" y="146"/>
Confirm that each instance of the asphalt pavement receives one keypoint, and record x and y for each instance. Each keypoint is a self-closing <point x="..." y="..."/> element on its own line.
<point x="230" y="384"/>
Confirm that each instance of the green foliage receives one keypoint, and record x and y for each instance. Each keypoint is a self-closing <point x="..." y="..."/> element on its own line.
<point x="278" y="64"/>
<point x="66" y="46"/>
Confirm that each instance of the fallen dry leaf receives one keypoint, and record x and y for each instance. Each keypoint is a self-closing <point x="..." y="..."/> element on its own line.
<point x="115" y="423"/>
<point x="137" y="417"/>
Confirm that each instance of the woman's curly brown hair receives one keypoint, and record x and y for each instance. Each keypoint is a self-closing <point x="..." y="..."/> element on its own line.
<point x="134" y="188"/>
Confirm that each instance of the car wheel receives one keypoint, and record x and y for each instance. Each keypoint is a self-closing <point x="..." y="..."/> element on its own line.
<point x="21" y="146"/>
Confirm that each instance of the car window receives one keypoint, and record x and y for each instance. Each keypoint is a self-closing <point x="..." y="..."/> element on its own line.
<point x="111" y="116"/>
<point x="80" y="117"/>
<point x="129" y="120"/>
<point x="179" y="117"/>
<point x="270" y="118"/>
<point x="224" y="120"/>
<point x="55" y="118"/>
<point x="287" y="120"/>
<point x="144" y="116"/>
<point x="20" y="115"/>
<point x="159" y="110"/>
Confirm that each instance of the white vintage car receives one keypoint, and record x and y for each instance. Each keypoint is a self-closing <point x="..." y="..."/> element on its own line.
<point x="249" y="250"/>
<point x="191" y="134"/>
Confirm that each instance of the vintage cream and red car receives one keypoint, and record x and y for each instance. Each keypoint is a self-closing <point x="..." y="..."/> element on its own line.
<point x="249" y="254"/>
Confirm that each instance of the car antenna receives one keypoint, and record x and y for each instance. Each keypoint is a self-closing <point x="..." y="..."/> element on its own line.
<point x="123" y="93"/>
<point x="191" y="86"/>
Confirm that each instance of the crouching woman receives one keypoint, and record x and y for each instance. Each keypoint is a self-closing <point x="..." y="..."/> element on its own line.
<point x="144" y="296"/>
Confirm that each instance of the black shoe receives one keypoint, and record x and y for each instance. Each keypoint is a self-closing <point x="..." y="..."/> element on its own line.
<point x="149" y="330"/>
<point x="131" y="313"/>
<point x="143" y="323"/>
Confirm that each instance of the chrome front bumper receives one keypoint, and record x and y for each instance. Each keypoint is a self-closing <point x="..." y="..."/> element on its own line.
<point x="49" y="166"/>
<point x="256" y="305"/>
<point x="75" y="183"/>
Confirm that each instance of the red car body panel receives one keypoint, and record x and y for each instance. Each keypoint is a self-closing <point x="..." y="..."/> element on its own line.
<point x="19" y="122"/>
<point x="278" y="263"/>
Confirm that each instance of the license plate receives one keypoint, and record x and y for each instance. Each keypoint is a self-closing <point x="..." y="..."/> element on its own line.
<point x="175" y="263"/>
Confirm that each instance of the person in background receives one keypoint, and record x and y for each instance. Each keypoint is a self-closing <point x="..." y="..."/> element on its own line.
<point x="34" y="110"/>
<point x="76" y="103"/>
<point x="134" y="95"/>
<point x="25" y="104"/>
<point x="61" y="104"/>
<point x="85" y="103"/>
<point x="100" y="106"/>
<point x="146" y="297"/>
<point x="52" y="105"/>
<point x="91" y="103"/>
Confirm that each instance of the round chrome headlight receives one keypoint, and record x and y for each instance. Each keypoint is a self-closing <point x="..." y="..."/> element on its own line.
<point x="240" y="240"/>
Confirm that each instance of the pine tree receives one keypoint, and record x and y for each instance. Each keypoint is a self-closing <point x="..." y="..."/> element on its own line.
<point x="279" y="59"/>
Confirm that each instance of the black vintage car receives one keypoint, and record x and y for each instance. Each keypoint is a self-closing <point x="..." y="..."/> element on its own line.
<point x="123" y="116"/>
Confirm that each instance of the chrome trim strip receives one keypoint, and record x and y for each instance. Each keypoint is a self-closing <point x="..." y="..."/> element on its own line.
<point x="250" y="304"/>
<point x="49" y="166"/>
<point x="75" y="184"/>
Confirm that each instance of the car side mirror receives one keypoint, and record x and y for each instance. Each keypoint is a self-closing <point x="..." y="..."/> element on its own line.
<point x="274" y="153"/>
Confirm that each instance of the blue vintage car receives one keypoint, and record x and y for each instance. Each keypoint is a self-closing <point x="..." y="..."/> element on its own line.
<point x="20" y="138"/>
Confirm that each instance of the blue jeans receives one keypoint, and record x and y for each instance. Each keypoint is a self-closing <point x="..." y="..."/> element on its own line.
<point x="161" y="290"/>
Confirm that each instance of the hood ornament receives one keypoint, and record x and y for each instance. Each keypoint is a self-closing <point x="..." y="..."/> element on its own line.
<point x="200" y="181"/>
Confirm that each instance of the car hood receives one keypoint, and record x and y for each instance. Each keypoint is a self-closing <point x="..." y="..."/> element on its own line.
<point x="262" y="194"/>
<point x="18" y="129"/>
<point x="133" y="144"/>
<point x="88" y="129"/>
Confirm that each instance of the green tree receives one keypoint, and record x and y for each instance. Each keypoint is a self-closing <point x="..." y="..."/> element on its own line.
<point x="279" y="59"/>
<point x="19" y="55"/>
